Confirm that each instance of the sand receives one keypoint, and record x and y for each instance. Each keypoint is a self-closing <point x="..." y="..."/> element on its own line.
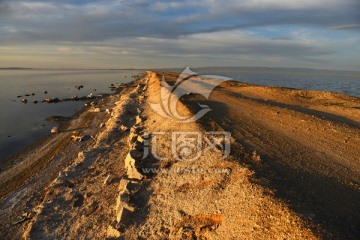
<point x="293" y="171"/>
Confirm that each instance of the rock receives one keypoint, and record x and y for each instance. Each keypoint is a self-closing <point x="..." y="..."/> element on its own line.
<point x="45" y="92"/>
<point x="79" y="87"/>
<point x="132" y="137"/>
<point x="35" y="101"/>
<point x="24" y="100"/>
<point x="108" y="111"/>
<point x="51" y="100"/>
<point x="138" y="119"/>
<point x="102" y="125"/>
<point x="74" y="98"/>
<point x="54" y="130"/>
<point x="91" y="95"/>
<point x="80" y="157"/>
<point x="27" y="95"/>
<point x="139" y="140"/>
<point x="96" y="110"/>
<point x="132" y="172"/>
<point x="123" y="128"/>
<point x="123" y="204"/>
<point x="123" y="186"/>
<point x="19" y="96"/>
<point x="32" y="94"/>
<point x="112" y="232"/>
<point x="77" y="138"/>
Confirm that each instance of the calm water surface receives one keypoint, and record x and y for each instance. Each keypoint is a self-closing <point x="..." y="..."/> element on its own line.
<point x="322" y="80"/>
<point x="22" y="124"/>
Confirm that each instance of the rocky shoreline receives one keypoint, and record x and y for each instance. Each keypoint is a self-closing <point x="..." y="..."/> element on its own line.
<point x="32" y="169"/>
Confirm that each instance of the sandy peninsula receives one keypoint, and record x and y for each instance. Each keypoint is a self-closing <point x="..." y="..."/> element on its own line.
<point x="293" y="171"/>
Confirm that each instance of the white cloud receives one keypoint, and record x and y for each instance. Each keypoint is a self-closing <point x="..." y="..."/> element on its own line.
<point x="175" y="31"/>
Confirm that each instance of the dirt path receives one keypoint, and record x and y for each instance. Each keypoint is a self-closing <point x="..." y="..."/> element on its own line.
<point x="310" y="155"/>
<point x="206" y="198"/>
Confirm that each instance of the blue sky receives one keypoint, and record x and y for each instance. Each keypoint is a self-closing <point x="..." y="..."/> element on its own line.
<point x="153" y="34"/>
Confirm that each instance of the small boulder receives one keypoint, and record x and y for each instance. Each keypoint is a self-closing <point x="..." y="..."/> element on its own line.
<point x="24" y="100"/>
<point x="54" y="130"/>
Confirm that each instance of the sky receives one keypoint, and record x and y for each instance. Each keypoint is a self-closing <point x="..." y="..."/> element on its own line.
<point x="321" y="34"/>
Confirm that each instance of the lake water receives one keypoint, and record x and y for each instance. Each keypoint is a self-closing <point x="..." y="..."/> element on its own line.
<point x="22" y="124"/>
<point x="309" y="79"/>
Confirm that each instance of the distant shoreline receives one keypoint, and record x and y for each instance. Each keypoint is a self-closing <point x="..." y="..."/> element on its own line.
<point x="260" y="69"/>
<point x="71" y="69"/>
